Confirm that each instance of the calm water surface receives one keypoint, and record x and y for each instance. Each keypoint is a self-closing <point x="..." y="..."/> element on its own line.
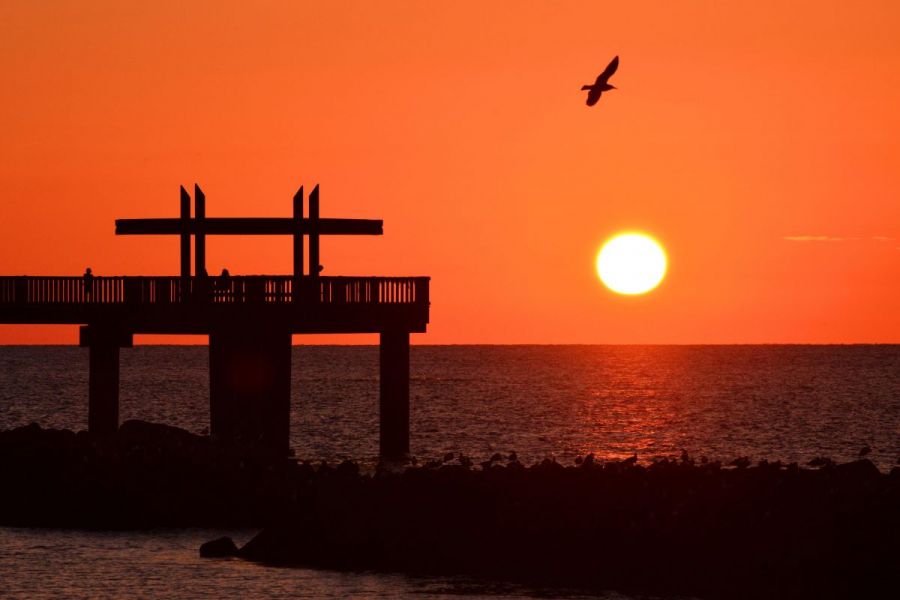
<point x="37" y="564"/>
<point x="777" y="402"/>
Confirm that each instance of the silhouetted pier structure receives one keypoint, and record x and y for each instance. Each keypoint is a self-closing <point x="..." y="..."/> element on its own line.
<point x="249" y="321"/>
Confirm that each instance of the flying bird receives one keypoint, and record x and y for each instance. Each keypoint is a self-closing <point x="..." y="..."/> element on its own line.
<point x="601" y="84"/>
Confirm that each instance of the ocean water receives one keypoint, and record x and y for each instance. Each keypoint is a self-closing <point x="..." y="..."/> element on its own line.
<point x="47" y="564"/>
<point x="788" y="403"/>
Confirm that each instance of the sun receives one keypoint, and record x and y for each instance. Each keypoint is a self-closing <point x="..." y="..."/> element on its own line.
<point x="631" y="263"/>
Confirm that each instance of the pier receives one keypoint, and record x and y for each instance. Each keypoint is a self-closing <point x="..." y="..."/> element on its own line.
<point x="249" y="320"/>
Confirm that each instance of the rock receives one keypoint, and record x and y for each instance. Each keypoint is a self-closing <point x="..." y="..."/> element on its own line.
<point x="277" y="545"/>
<point x="741" y="462"/>
<point x="348" y="469"/>
<point x="218" y="548"/>
<point x="858" y="470"/>
<point x="821" y="461"/>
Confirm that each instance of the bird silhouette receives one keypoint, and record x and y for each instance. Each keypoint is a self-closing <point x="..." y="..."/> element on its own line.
<point x="601" y="84"/>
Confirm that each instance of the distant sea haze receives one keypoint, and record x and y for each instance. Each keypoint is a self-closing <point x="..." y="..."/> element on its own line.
<point x="789" y="403"/>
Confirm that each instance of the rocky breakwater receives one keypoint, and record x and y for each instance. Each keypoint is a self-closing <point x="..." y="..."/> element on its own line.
<point x="673" y="527"/>
<point x="145" y="475"/>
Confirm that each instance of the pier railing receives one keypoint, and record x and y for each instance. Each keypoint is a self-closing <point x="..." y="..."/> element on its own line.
<point x="233" y="290"/>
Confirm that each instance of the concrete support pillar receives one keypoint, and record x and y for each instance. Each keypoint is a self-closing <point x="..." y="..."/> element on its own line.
<point x="103" y="388"/>
<point x="250" y="387"/>
<point x="103" y="376"/>
<point x="394" y="401"/>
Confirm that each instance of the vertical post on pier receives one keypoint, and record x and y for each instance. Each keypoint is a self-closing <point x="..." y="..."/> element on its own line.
<point x="185" y="244"/>
<point x="314" y="240"/>
<point x="298" y="246"/>
<point x="394" y="389"/>
<point x="199" y="234"/>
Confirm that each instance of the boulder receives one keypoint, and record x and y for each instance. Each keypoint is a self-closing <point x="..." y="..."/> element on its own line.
<point x="219" y="547"/>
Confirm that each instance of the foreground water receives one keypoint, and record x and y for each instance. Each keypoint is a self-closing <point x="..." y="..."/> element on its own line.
<point x="777" y="402"/>
<point x="38" y="564"/>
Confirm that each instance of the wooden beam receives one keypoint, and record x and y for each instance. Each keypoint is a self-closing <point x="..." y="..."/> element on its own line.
<point x="249" y="226"/>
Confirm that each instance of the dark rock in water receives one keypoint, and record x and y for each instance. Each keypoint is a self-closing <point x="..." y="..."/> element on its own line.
<point x="220" y="547"/>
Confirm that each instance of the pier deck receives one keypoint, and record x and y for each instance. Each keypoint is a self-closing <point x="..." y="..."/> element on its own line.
<point x="196" y="305"/>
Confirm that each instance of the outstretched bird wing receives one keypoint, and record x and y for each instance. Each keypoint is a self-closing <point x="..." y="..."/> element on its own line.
<point x="593" y="95"/>
<point x="608" y="71"/>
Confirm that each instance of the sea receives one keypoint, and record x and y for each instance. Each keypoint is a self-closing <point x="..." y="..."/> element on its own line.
<point x="782" y="402"/>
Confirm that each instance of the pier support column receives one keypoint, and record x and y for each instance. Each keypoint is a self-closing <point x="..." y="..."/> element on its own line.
<point x="103" y="376"/>
<point x="250" y="387"/>
<point x="394" y="402"/>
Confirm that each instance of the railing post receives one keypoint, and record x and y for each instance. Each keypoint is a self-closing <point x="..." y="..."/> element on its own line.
<point x="422" y="291"/>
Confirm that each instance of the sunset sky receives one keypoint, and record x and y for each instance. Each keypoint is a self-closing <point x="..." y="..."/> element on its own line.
<point x="758" y="142"/>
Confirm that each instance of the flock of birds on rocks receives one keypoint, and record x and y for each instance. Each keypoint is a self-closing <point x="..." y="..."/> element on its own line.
<point x="589" y="460"/>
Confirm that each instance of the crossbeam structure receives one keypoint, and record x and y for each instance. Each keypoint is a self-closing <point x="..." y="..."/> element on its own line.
<point x="201" y="226"/>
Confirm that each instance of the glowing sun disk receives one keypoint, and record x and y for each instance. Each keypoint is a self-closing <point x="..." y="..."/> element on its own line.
<point x="631" y="263"/>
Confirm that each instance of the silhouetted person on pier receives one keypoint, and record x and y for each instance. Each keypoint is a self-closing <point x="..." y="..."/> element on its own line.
<point x="225" y="284"/>
<point x="601" y="85"/>
<point x="88" y="283"/>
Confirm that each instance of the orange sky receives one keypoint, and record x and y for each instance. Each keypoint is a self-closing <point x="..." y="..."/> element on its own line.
<point x="736" y="126"/>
